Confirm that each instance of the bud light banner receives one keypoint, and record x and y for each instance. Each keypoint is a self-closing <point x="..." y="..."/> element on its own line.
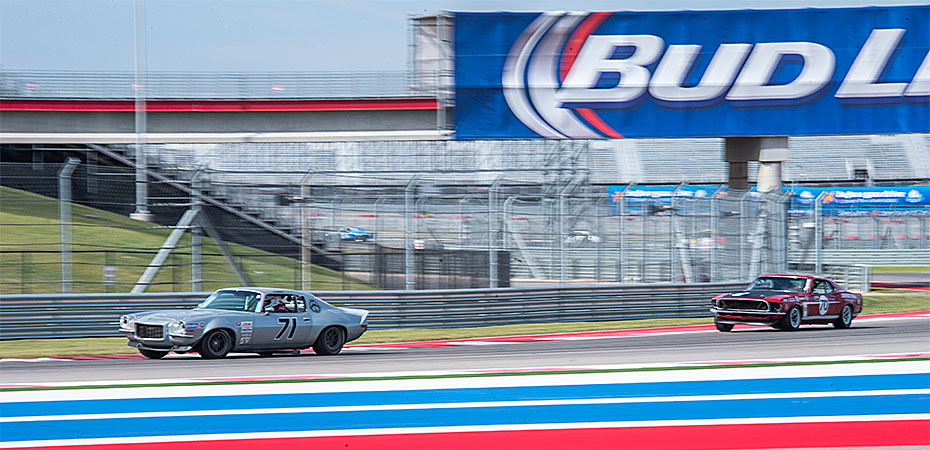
<point x="577" y="75"/>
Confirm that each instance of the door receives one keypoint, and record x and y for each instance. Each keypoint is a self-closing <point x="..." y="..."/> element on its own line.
<point x="284" y="326"/>
<point x="824" y="303"/>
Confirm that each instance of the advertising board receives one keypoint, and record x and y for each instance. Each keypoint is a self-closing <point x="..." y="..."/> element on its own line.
<point x="835" y="201"/>
<point x="597" y="75"/>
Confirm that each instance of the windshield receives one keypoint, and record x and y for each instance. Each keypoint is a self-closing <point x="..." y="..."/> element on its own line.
<point x="231" y="301"/>
<point x="778" y="284"/>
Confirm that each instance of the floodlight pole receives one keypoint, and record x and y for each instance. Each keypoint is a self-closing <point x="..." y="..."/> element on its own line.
<point x="139" y="86"/>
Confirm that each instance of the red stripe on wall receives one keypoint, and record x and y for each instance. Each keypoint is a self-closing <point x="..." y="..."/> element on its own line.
<point x="380" y="104"/>
<point x="707" y="437"/>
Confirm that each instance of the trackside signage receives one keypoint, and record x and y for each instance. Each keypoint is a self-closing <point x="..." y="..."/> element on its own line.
<point x="582" y="75"/>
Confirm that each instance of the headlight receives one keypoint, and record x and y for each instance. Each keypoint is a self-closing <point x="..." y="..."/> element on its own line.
<point x="124" y="322"/>
<point x="176" y="327"/>
<point x="776" y="306"/>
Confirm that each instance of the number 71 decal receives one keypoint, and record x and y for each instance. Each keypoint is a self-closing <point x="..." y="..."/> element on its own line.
<point x="287" y="323"/>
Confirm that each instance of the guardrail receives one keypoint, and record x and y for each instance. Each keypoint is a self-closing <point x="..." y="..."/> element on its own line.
<point x="96" y="315"/>
<point x="866" y="257"/>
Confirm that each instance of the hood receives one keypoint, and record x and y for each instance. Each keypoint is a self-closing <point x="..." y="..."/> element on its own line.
<point x="762" y="294"/>
<point x="187" y="315"/>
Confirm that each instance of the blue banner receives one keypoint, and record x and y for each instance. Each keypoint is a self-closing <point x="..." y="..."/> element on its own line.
<point x="692" y="73"/>
<point x="863" y="197"/>
<point x="835" y="201"/>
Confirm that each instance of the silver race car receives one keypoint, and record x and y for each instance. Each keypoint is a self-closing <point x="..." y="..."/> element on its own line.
<point x="246" y="319"/>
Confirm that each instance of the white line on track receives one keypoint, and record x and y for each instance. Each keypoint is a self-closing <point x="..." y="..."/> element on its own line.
<point x="597" y="377"/>
<point x="498" y="404"/>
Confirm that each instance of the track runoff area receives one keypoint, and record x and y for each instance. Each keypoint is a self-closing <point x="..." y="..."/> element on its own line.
<point x="849" y="401"/>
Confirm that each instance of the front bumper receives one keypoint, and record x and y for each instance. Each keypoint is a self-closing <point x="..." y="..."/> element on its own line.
<point x="735" y="316"/>
<point x="168" y="342"/>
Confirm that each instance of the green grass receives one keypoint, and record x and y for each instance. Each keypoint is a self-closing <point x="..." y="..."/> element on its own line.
<point x="891" y="303"/>
<point x="901" y="269"/>
<point x="878" y="304"/>
<point x="29" y="222"/>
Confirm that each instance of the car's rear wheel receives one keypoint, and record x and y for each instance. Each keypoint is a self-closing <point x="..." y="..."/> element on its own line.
<point x="152" y="354"/>
<point x="792" y="320"/>
<point x="725" y="327"/>
<point x="845" y="318"/>
<point x="330" y="341"/>
<point x="215" y="345"/>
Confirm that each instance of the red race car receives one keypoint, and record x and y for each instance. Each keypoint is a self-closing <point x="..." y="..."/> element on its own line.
<point x="786" y="302"/>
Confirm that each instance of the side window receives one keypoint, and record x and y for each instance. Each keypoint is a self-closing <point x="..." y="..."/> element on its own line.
<point x="822" y="287"/>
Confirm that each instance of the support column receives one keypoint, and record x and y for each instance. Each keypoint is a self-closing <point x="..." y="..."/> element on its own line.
<point x="769" y="151"/>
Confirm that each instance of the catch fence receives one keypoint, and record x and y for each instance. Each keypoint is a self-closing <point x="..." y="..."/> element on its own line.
<point x="514" y="226"/>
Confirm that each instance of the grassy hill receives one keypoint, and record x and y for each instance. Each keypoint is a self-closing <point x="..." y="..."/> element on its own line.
<point x="30" y="244"/>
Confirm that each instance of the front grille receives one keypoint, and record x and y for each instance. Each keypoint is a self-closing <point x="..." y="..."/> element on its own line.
<point x="149" y="331"/>
<point x="742" y="304"/>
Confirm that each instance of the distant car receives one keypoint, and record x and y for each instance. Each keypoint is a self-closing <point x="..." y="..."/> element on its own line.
<point x="786" y="302"/>
<point x="246" y="319"/>
<point x="581" y="237"/>
<point x="352" y="234"/>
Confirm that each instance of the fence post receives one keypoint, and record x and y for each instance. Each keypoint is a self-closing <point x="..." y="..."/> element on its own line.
<point x="818" y="232"/>
<point x="492" y="236"/>
<point x="305" y="237"/>
<point x="64" y="220"/>
<point x="408" y="244"/>
<point x="196" y="232"/>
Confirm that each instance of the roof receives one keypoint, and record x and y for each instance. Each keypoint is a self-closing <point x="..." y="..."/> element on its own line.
<point x="793" y="275"/>
<point x="263" y="290"/>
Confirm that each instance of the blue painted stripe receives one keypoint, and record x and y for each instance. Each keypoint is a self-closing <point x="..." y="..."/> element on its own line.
<point x="679" y="388"/>
<point x="159" y="426"/>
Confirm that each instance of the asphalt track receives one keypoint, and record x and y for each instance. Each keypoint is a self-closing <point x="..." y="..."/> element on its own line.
<point x="868" y="336"/>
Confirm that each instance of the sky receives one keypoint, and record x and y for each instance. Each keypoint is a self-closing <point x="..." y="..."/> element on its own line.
<point x="266" y="35"/>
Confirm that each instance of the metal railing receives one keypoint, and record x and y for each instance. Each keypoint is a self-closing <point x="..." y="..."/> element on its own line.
<point x="866" y="257"/>
<point x="209" y="85"/>
<point x="97" y="315"/>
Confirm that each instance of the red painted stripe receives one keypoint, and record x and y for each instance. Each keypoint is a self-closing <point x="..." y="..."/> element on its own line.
<point x="577" y="40"/>
<point x="707" y="437"/>
<point x="380" y="104"/>
<point x="598" y="123"/>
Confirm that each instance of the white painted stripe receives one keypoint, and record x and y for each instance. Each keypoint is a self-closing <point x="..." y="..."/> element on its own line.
<point x="460" y="429"/>
<point x="787" y="372"/>
<point x="168" y="138"/>
<point x="498" y="404"/>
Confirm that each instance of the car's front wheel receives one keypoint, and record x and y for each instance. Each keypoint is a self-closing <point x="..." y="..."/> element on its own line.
<point x="152" y="354"/>
<point x="845" y="318"/>
<point x="215" y="345"/>
<point x="792" y="320"/>
<point x="330" y="341"/>
<point x="725" y="327"/>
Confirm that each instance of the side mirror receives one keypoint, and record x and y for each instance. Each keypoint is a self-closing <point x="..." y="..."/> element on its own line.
<point x="268" y="309"/>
